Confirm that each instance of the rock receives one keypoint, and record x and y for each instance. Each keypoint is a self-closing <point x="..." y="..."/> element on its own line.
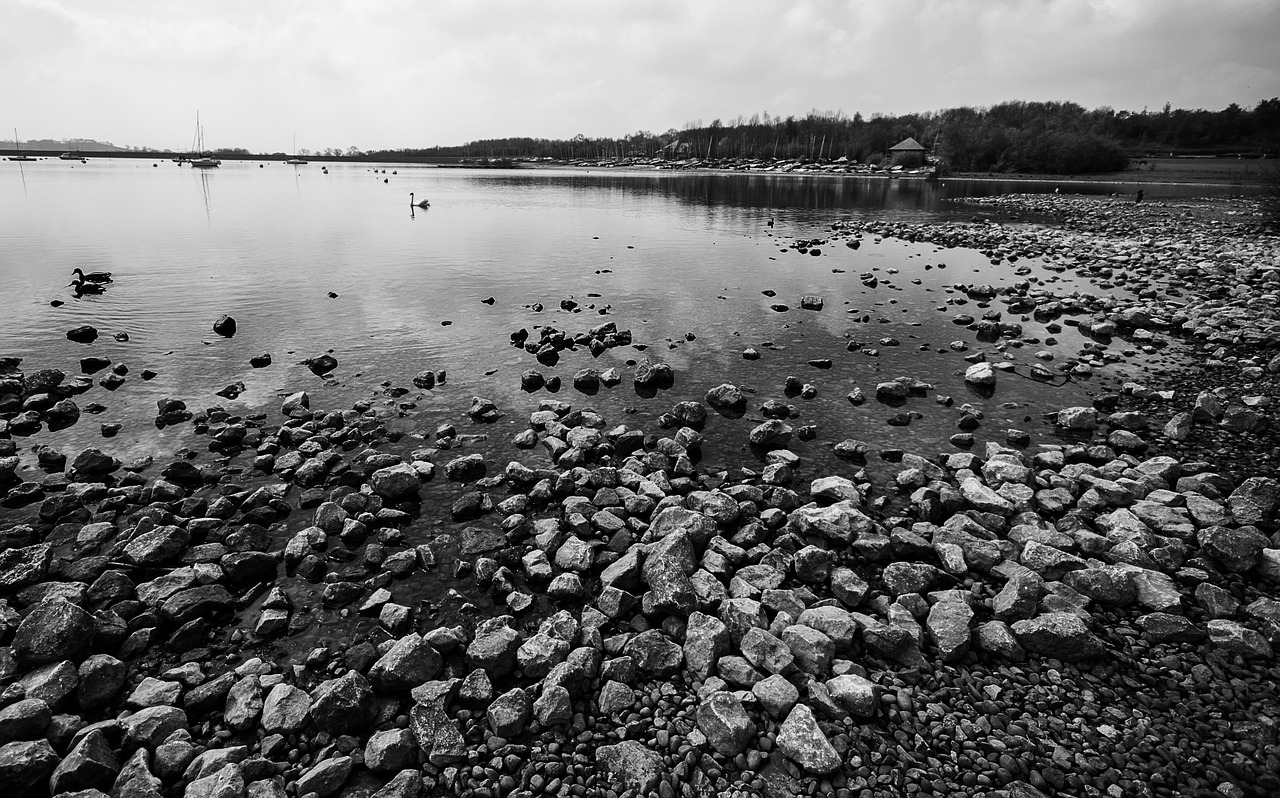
<point x="554" y="707"/>
<point x="654" y="654"/>
<point x="725" y="723"/>
<point x="391" y="751"/>
<point x="636" y="767"/>
<point x="772" y="434"/>
<point x="24" y="720"/>
<point x="494" y="646"/>
<point x="706" y="639"/>
<point x="1084" y="419"/>
<point x="326" y="778"/>
<point x="151" y="726"/>
<point x="437" y="735"/>
<point x="1161" y="627"/>
<point x="855" y="694"/>
<point x="244" y="703"/>
<point x="1062" y="635"/>
<point x="666" y="571"/>
<point x="727" y="399"/>
<point x="510" y="712"/>
<point x="24" y="566"/>
<point x="395" y="482"/>
<point x="321" y="365"/>
<point x="296" y="405"/>
<point x="226" y="782"/>
<point x="405" y="784"/>
<point x="615" y="698"/>
<point x="54" y="630"/>
<point x="90" y="764"/>
<point x="909" y="577"/>
<point x="981" y="375"/>
<point x="948" y="627"/>
<point x="776" y="695"/>
<point x="225" y="326"/>
<point x="344" y="705"/>
<point x="835" y="489"/>
<point x="1239" y="639"/>
<point x="27" y="763"/>
<point x="84" y="334"/>
<point x="1255" y="501"/>
<point x="800" y="740"/>
<point x="409" y="662"/>
<point x="286" y="709"/>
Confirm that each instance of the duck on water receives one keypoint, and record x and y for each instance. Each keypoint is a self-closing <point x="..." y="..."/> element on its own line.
<point x="420" y="203"/>
<point x="92" y="277"/>
<point x="81" y="288"/>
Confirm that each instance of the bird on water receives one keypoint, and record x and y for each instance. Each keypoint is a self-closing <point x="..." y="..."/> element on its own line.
<point x="421" y="204"/>
<point x="81" y="288"/>
<point x="92" y="277"/>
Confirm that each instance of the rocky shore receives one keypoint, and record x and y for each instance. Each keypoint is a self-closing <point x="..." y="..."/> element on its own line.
<point x="1094" y="615"/>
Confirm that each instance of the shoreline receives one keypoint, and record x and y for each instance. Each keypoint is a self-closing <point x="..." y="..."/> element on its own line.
<point x="1113" y="591"/>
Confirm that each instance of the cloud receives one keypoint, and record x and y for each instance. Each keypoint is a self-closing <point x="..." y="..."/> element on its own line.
<point x="399" y="73"/>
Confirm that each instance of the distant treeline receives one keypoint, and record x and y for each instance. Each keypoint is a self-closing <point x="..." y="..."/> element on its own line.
<point x="1045" y="137"/>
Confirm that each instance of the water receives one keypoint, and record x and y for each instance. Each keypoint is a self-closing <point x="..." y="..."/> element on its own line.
<point x="681" y="260"/>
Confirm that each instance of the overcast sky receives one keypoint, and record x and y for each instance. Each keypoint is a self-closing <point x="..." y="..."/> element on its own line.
<point x="412" y="73"/>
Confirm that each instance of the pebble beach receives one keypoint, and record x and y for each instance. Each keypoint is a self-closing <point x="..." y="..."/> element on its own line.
<point x="1091" y="612"/>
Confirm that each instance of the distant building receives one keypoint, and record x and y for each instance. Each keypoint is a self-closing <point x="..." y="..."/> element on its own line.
<point x="907" y="152"/>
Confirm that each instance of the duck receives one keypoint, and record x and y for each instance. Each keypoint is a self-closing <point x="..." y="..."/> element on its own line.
<point x="422" y="204"/>
<point x="92" y="277"/>
<point x="81" y="288"/>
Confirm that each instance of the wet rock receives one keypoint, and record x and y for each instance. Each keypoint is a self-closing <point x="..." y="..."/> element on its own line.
<point x="225" y="326"/>
<point x="727" y="399"/>
<point x="84" y="334"/>
<point x="395" y="482"/>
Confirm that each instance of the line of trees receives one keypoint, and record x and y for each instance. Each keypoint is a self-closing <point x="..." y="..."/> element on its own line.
<point x="1045" y="137"/>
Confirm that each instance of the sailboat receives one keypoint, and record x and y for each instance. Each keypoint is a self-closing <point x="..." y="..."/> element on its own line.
<point x="201" y="159"/>
<point x="295" y="160"/>
<point x="18" y="147"/>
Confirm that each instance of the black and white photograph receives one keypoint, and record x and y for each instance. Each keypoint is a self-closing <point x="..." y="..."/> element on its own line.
<point x="652" y="399"/>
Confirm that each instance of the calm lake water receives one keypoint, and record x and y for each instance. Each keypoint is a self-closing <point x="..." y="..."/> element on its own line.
<point x="682" y="260"/>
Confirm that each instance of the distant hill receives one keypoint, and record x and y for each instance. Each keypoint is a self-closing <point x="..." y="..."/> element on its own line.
<point x="78" y="145"/>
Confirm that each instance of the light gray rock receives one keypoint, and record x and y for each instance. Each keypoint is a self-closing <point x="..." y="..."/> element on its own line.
<point x="409" y="662"/>
<point x="633" y="765"/>
<point x="706" y="640"/>
<point x="510" y="712"/>
<point x="286" y="709"/>
<point x="726" y="724"/>
<point x="948" y="627"/>
<point x="802" y="741"/>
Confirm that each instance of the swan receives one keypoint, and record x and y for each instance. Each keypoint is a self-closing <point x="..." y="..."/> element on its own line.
<point x="422" y="204"/>
<point x="92" y="277"/>
<point x="81" y="288"/>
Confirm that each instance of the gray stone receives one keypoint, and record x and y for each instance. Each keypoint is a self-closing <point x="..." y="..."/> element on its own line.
<point x="855" y="694"/>
<point x="801" y="740"/>
<point x="52" y="631"/>
<point x="1062" y="635"/>
<point x="327" y="777"/>
<point x="409" y="662"/>
<point x="706" y="639"/>
<point x="632" y="765"/>
<point x="948" y="627"/>
<point x="726" y="724"/>
<point x="494" y="646"/>
<point x="244" y="703"/>
<point x="344" y="705"/>
<point x="25" y="764"/>
<point x="1239" y="639"/>
<point x="510" y="712"/>
<point x="286" y="709"/>
<point x="666" y="571"/>
<point x="90" y="764"/>
<point x="554" y="707"/>
<point x="654" y="654"/>
<point x="776" y="695"/>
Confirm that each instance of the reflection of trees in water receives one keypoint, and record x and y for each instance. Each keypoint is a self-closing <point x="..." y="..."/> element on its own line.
<point x="750" y="190"/>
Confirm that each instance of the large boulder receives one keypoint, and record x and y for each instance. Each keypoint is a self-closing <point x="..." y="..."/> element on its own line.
<point x="636" y="767"/>
<point x="54" y="630"/>
<point x="344" y="705"/>
<point x="1062" y="635"/>
<point x="725" y="723"/>
<point x="802" y="741"/>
